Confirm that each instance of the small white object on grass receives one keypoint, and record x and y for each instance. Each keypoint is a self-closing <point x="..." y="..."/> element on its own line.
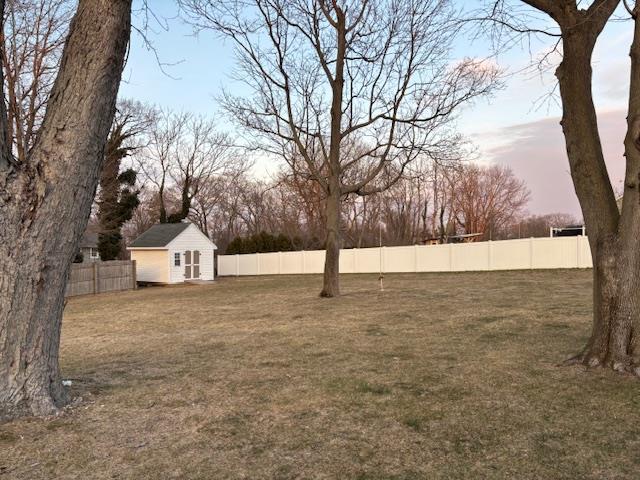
<point x="66" y="383"/>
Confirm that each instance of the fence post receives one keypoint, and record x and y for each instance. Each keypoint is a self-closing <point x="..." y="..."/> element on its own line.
<point x="450" y="257"/>
<point x="304" y="262"/>
<point x="237" y="265"/>
<point x="355" y="260"/>
<point x="415" y="257"/>
<point x="531" y="253"/>
<point x="96" y="278"/>
<point x="489" y="259"/>
<point x="134" y="274"/>
<point x="279" y="263"/>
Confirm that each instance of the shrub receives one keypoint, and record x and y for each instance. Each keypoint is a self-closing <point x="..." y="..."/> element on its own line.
<point x="262" y="242"/>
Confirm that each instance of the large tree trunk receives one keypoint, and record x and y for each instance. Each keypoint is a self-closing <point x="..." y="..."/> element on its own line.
<point x="331" y="283"/>
<point x="45" y="204"/>
<point x="616" y="307"/>
<point x="613" y="236"/>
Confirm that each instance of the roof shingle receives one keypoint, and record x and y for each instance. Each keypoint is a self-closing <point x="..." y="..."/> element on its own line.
<point x="159" y="235"/>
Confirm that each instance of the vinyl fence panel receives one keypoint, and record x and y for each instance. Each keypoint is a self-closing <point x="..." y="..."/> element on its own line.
<point x="530" y="253"/>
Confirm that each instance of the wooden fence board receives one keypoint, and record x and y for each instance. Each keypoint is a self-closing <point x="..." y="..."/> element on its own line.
<point x="99" y="277"/>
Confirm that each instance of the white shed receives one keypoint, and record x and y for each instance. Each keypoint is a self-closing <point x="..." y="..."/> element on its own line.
<point x="173" y="253"/>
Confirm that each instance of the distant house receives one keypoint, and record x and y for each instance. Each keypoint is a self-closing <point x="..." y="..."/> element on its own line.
<point x="89" y="247"/>
<point x="173" y="253"/>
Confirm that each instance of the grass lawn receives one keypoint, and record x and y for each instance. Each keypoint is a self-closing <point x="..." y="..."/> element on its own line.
<point x="441" y="376"/>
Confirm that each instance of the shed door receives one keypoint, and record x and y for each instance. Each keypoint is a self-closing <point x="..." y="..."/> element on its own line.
<point x="187" y="264"/>
<point x="196" y="264"/>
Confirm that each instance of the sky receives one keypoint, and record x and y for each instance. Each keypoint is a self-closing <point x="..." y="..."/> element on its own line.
<point x="518" y="126"/>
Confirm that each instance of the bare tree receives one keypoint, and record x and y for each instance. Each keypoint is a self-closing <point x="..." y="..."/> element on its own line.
<point x="200" y="154"/>
<point x="540" y="225"/>
<point x="183" y="154"/>
<point x="225" y="218"/>
<point x="437" y="201"/>
<point x="487" y="200"/>
<point x="45" y="202"/>
<point x="337" y="85"/>
<point x="157" y="159"/>
<point x="211" y="193"/>
<point x="613" y="234"/>
<point x="304" y="201"/>
<point x="218" y="189"/>
<point x="430" y="200"/>
<point x="35" y="31"/>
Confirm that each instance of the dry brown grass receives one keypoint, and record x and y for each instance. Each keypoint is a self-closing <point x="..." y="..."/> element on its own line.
<point x="448" y="376"/>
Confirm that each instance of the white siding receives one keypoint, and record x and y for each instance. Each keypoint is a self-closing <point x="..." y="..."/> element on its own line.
<point x="191" y="239"/>
<point x="86" y="254"/>
<point x="151" y="265"/>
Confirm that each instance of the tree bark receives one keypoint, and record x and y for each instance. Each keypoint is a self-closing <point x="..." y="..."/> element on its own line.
<point x="163" y="209"/>
<point x="616" y="307"/>
<point x="613" y="236"/>
<point x="185" y="205"/>
<point x="45" y="203"/>
<point x="331" y="283"/>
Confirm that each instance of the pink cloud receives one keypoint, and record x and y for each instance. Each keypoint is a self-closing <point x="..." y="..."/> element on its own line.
<point x="536" y="152"/>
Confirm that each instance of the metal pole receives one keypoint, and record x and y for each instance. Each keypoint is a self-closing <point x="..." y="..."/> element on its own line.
<point x="380" y="250"/>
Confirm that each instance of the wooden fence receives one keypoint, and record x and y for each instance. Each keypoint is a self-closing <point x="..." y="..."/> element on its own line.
<point x="99" y="277"/>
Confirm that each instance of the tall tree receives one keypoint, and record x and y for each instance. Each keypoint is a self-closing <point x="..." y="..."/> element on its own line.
<point x="488" y="199"/>
<point x="185" y="152"/>
<point x="344" y="86"/>
<point x="157" y="159"/>
<point x="118" y="197"/>
<point x="200" y="154"/>
<point x="51" y="190"/>
<point x="215" y="193"/>
<point x="613" y="234"/>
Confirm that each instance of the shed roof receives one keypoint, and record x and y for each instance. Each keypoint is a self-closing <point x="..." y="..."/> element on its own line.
<point x="159" y="235"/>
<point x="89" y="240"/>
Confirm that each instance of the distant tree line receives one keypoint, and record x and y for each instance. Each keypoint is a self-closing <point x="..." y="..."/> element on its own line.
<point x="238" y="211"/>
<point x="263" y="242"/>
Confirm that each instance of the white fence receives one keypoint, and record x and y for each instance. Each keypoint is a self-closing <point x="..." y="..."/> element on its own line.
<point x="530" y="253"/>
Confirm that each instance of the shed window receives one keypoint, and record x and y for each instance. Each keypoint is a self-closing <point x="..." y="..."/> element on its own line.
<point x="93" y="253"/>
<point x="176" y="259"/>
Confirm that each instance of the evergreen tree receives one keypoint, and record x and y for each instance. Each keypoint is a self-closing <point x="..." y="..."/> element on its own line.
<point x="118" y="197"/>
